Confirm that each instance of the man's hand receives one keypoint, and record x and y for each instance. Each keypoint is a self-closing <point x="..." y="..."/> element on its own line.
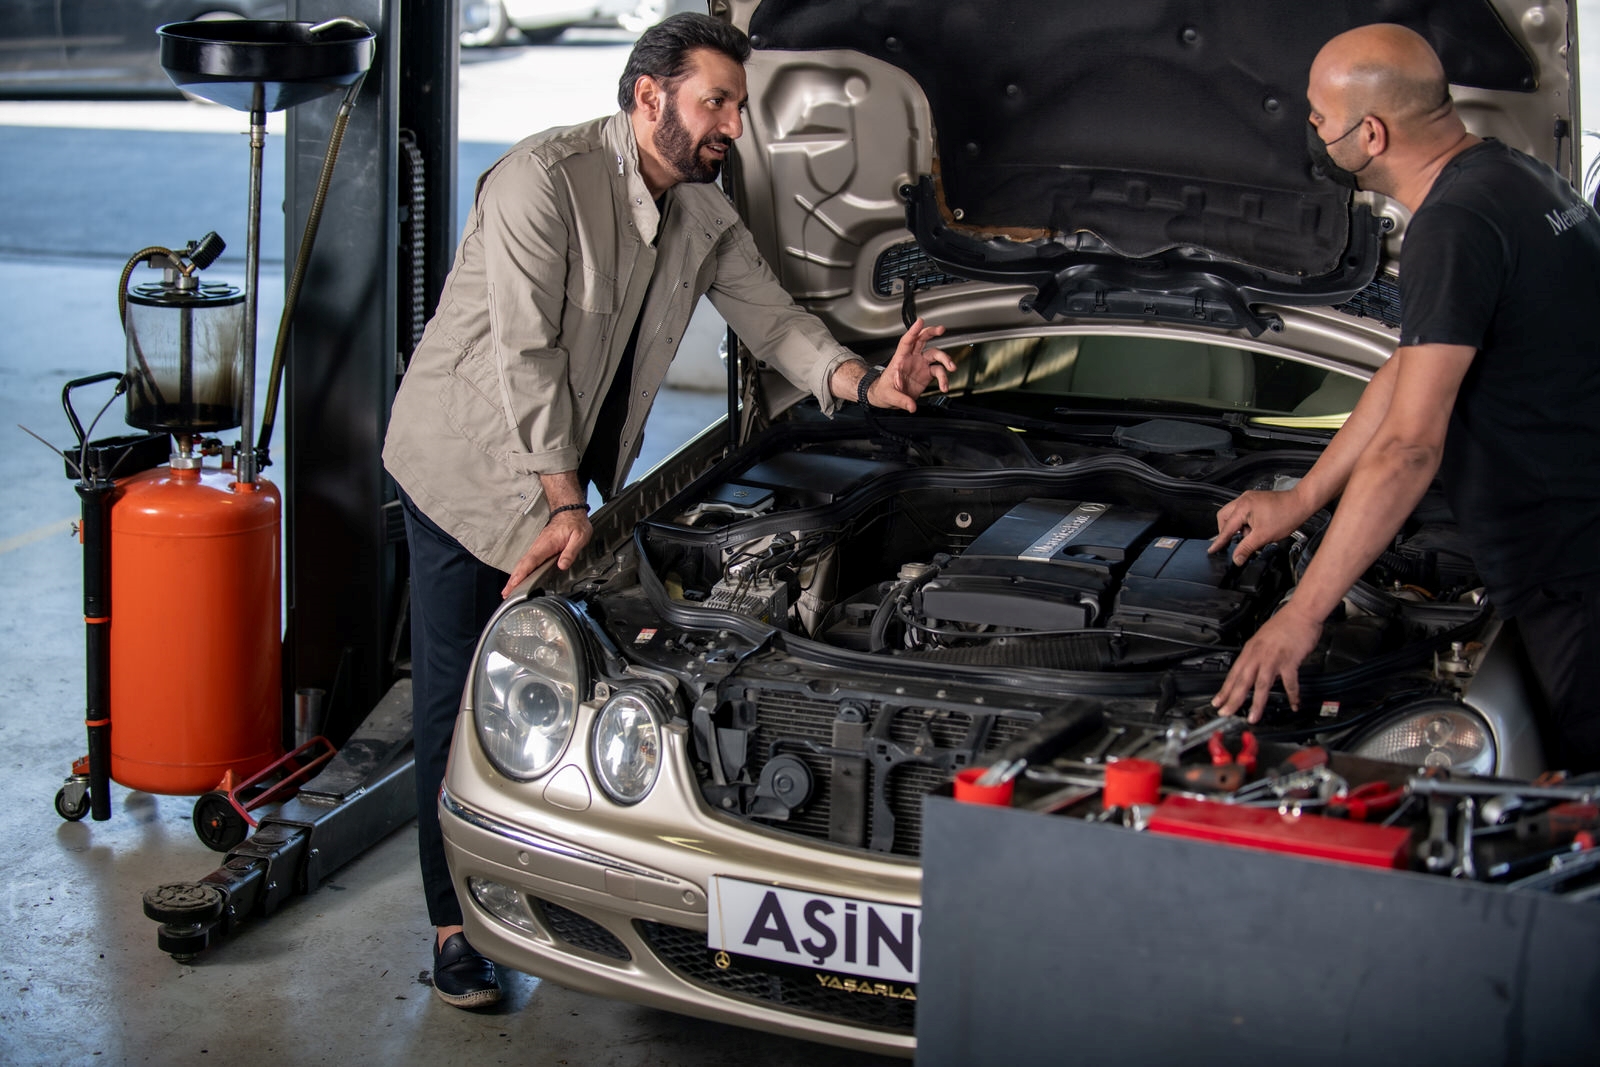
<point x="562" y="539"/>
<point x="1275" y="652"/>
<point x="1264" y="516"/>
<point x="914" y="366"/>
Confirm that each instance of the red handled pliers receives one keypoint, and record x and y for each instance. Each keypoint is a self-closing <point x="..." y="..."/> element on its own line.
<point x="1368" y="799"/>
<point x="1249" y="749"/>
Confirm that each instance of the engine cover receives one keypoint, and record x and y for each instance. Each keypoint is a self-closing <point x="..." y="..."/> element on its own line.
<point x="1044" y="565"/>
<point x="1179" y="589"/>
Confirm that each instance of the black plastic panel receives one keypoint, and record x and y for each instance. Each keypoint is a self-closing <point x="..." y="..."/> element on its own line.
<point x="1120" y="947"/>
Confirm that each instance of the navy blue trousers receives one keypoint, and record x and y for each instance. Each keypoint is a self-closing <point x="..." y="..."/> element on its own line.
<point x="453" y="594"/>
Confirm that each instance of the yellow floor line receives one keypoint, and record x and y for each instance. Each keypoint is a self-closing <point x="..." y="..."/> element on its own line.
<point x="39" y="533"/>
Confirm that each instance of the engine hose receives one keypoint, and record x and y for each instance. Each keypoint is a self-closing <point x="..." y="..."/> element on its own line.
<point x="146" y="376"/>
<point x="883" y="616"/>
<point x="292" y="293"/>
<point x="1406" y="569"/>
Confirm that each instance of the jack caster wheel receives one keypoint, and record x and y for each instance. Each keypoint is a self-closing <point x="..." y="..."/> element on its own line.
<point x="186" y="911"/>
<point x="218" y="823"/>
<point x="183" y="903"/>
<point x="72" y="802"/>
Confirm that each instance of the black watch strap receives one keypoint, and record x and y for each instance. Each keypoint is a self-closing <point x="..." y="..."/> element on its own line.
<point x="871" y="375"/>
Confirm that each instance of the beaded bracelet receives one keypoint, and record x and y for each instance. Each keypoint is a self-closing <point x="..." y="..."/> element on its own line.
<point x="568" y="507"/>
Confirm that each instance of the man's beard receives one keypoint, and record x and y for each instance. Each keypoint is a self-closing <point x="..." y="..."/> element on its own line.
<point x="672" y="142"/>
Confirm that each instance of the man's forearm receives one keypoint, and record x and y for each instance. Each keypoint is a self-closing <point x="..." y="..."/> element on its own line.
<point x="1329" y="476"/>
<point x="1382" y="491"/>
<point x="846" y="378"/>
<point x="562" y="489"/>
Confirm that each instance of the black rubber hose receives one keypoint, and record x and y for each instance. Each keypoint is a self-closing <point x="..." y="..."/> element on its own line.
<point x="307" y="239"/>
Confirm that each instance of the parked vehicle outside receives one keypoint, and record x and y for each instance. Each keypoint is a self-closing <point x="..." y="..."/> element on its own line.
<point x="107" y="49"/>
<point x="104" y="48"/>
<point x="542" y="21"/>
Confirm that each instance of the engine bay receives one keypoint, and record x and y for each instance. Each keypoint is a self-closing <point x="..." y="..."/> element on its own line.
<point x="1103" y="564"/>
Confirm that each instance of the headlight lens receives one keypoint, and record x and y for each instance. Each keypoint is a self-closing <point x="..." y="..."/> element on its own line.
<point x="1441" y="735"/>
<point x="627" y="746"/>
<point x="526" y="690"/>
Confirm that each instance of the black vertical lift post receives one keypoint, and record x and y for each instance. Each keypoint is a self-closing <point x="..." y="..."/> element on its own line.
<point x="382" y="252"/>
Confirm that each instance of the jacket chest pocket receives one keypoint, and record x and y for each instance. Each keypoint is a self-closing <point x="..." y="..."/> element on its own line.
<point x="589" y="289"/>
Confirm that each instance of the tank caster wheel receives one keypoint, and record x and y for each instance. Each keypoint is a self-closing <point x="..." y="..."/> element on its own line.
<point x="218" y="823"/>
<point x="72" y="800"/>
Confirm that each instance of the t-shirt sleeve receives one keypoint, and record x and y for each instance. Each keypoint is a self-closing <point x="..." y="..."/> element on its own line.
<point x="1451" y="271"/>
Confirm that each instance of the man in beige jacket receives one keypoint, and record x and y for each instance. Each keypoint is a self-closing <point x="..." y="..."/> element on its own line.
<point x="584" y="256"/>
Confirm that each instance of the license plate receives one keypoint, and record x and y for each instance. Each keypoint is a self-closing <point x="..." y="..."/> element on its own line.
<point x="860" y="937"/>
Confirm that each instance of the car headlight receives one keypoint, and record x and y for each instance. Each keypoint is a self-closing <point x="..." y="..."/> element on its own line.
<point x="626" y="752"/>
<point x="1433" y="734"/>
<point x="526" y="689"/>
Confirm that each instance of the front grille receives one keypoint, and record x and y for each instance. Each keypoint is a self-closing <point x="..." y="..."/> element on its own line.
<point x="792" y="988"/>
<point x="581" y="932"/>
<point x="907" y="757"/>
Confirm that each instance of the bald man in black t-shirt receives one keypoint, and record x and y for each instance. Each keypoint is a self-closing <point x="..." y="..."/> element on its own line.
<point x="1496" y="383"/>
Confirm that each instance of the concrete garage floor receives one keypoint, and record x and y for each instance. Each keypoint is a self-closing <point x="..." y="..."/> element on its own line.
<point x="338" y="976"/>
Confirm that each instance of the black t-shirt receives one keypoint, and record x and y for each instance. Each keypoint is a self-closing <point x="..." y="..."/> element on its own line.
<point x="599" y="463"/>
<point x="1504" y="256"/>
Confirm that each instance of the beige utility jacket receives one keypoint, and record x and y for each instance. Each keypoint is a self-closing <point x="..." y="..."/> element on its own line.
<point x="551" y="275"/>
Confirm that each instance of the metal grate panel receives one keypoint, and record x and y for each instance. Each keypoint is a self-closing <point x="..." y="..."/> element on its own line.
<point x="1379" y="300"/>
<point x="897" y="262"/>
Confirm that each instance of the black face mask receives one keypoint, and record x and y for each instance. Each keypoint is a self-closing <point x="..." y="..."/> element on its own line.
<point x="1318" y="149"/>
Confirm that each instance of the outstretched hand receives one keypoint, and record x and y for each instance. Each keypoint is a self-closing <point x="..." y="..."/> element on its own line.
<point x="914" y="367"/>
<point x="562" y="539"/>
<point x="1273" y="654"/>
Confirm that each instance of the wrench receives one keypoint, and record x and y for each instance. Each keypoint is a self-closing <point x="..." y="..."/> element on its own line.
<point x="1437" y="851"/>
<point x="1146" y="735"/>
<point x="1181" y="740"/>
<point x="1099" y="751"/>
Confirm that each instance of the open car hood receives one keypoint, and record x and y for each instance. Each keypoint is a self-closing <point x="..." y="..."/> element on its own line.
<point x="1143" y="160"/>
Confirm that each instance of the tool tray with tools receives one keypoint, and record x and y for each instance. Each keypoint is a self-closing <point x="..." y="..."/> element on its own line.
<point x="1215" y="780"/>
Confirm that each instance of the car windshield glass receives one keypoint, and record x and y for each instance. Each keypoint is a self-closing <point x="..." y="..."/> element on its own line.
<point x="1131" y="369"/>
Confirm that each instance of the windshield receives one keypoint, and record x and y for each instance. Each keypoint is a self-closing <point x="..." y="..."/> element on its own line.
<point x="1127" y="368"/>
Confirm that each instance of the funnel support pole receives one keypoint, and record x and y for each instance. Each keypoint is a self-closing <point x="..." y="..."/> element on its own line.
<point x="252" y="269"/>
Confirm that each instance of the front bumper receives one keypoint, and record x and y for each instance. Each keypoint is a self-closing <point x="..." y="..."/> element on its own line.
<point x="616" y="900"/>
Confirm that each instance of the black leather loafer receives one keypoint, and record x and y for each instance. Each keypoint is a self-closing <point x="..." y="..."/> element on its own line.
<point x="461" y="977"/>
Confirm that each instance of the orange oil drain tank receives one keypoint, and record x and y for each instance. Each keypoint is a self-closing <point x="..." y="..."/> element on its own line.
<point x="195" y="629"/>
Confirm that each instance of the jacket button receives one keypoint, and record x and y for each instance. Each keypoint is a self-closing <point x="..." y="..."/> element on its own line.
<point x="580" y="396"/>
